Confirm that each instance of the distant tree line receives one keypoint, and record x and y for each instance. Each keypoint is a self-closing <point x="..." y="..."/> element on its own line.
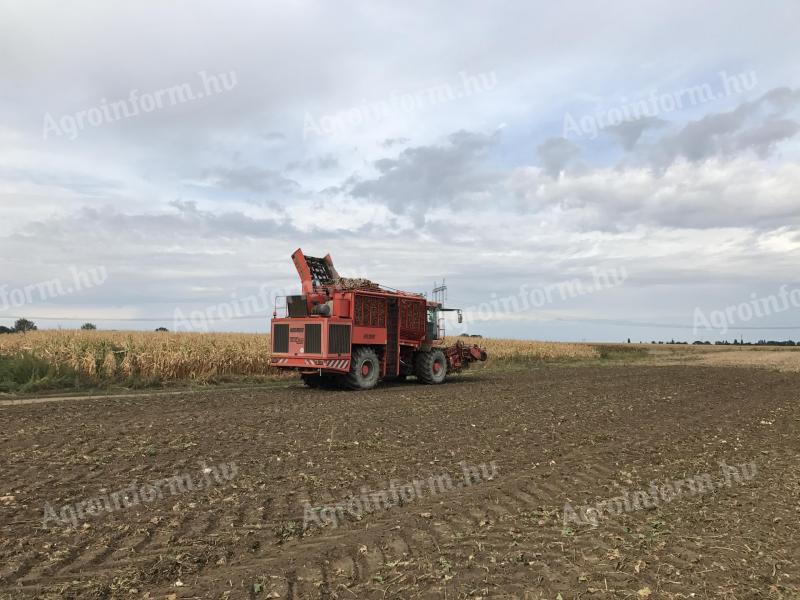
<point x="727" y="343"/>
<point x="23" y="325"/>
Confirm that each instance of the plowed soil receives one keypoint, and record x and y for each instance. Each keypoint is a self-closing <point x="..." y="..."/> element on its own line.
<point x="555" y="435"/>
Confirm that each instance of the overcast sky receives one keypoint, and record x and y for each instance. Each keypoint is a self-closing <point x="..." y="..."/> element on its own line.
<point x="180" y="152"/>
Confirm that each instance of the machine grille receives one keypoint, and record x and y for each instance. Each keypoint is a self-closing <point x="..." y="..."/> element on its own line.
<point x="412" y="319"/>
<point x="280" y="338"/>
<point x="339" y="339"/>
<point x="369" y="311"/>
<point x="313" y="343"/>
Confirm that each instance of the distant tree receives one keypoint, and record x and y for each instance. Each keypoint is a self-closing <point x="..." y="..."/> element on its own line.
<point x="4" y="329"/>
<point x="162" y="329"/>
<point x="629" y="340"/>
<point x="89" y="326"/>
<point x="23" y="325"/>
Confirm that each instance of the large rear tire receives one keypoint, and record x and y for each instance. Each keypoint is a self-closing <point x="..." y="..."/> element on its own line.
<point x="322" y="382"/>
<point x="365" y="369"/>
<point x="430" y="367"/>
<point x="312" y="381"/>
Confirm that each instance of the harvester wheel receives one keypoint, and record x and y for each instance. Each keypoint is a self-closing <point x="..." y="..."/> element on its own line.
<point x="312" y="381"/>
<point x="325" y="382"/>
<point x="331" y="382"/>
<point x="364" y="370"/>
<point x="430" y="367"/>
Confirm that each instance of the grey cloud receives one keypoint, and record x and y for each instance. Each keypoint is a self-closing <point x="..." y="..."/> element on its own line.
<point x="555" y="154"/>
<point x="273" y="136"/>
<point x="426" y="176"/>
<point x="185" y="221"/>
<point x="399" y="141"/>
<point x="782" y="99"/>
<point x="756" y="126"/>
<point x="320" y="163"/>
<point x="699" y="196"/>
<point x="763" y="138"/>
<point x="81" y="183"/>
<point x="629" y="132"/>
<point x="252" y="179"/>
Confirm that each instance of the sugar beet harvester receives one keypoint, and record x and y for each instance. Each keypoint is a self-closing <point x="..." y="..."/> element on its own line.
<point x="353" y="333"/>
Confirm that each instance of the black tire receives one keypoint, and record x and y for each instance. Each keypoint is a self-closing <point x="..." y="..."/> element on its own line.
<point x="321" y="382"/>
<point x="331" y="382"/>
<point x="430" y="367"/>
<point x="312" y="381"/>
<point x="365" y="370"/>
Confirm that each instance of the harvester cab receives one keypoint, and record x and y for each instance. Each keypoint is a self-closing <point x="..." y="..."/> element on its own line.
<point x="353" y="332"/>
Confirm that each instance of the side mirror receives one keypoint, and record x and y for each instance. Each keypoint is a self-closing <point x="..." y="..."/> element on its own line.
<point x="460" y="317"/>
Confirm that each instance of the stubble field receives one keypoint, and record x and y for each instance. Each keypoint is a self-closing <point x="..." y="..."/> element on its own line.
<point x="536" y="439"/>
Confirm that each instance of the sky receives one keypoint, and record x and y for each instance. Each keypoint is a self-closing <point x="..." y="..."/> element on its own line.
<point x="572" y="172"/>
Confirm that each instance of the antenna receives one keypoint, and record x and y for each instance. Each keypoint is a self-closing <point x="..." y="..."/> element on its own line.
<point x="439" y="292"/>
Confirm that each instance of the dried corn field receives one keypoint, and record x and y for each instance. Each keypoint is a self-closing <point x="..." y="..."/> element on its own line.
<point x="521" y="350"/>
<point x="107" y="356"/>
<point x="160" y="356"/>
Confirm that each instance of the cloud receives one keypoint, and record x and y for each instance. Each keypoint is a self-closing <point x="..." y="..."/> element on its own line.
<point x="398" y="141"/>
<point x="423" y="177"/>
<point x="753" y="126"/>
<point x="251" y="179"/>
<point x="186" y="220"/>
<point x="629" y="132"/>
<point x="763" y="138"/>
<point x="555" y="154"/>
<point x="690" y="195"/>
<point x="273" y="136"/>
<point x="320" y="163"/>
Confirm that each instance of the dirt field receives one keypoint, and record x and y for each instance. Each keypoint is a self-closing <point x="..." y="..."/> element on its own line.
<point x="545" y="437"/>
<point x="781" y="359"/>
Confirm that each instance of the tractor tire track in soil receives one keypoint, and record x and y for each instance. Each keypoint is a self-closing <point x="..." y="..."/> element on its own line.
<point x="556" y="435"/>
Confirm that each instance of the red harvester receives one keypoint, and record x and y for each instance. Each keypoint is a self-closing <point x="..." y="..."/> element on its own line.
<point x="353" y="332"/>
